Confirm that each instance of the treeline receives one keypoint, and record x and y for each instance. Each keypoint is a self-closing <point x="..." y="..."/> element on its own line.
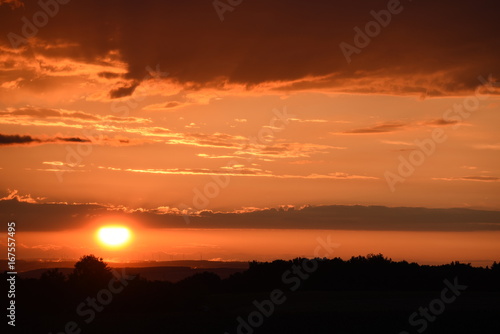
<point x="371" y="272"/>
<point x="94" y="293"/>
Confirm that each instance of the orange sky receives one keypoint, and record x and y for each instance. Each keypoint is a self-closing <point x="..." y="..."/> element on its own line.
<point x="478" y="248"/>
<point x="164" y="114"/>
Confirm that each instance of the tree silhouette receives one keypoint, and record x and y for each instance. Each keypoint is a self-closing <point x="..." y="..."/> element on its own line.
<point x="372" y="282"/>
<point x="90" y="273"/>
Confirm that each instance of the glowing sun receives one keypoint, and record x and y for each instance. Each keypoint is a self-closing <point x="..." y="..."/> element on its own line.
<point x="114" y="236"/>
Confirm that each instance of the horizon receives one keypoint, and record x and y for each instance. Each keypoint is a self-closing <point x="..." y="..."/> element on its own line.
<point x="113" y="263"/>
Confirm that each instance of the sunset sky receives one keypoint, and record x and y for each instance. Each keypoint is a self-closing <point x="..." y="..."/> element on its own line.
<point x="242" y="130"/>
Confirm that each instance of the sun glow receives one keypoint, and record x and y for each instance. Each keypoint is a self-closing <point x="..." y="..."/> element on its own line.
<point x="114" y="236"/>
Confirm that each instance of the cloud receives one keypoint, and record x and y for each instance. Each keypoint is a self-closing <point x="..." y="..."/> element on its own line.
<point x="14" y="195"/>
<point x="397" y="126"/>
<point x="64" y="216"/>
<point x="284" y="150"/>
<point x="308" y="120"/>
<point x="380" y="128"/>
<point x="305" y="162"/>
<point x="216" y="156"/>
<point x="64" y="118"/>
<point x="109" y="75"/>
<point x="28" y="140"/>
<point x="165" y="105"/>
<point x="72" y="139"/>
<point x="17" y="139"/>
<point x="487" y="146"/>
<point x="123" y="91"/>
<point x="397" y="142"/>
<point x="47" y="247"/>
<point x="470" y="178"/>
<point x="294" y="47"/>
<point x="440" y="122"/>
<point x="240" y="170"/>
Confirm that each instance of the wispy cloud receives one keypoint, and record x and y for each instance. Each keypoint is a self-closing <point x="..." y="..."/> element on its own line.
<point x="487" y="146"/>
<point x="469" y="178"/>
<point x="308" y="120"/>
<point x="285" y="150"/>
<point x="60" y="117"/>
<point x="395" y="126"/>
<point x="240" y="170"/>
<point x="440" y="122"/>
<point x="379" y="128"/>
<point x="397" y="142"/>
<point x="305" y="162"/>
<point x="14" y="195"/>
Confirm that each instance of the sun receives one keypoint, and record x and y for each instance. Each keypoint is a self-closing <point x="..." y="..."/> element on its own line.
<point x="114" y="236"/>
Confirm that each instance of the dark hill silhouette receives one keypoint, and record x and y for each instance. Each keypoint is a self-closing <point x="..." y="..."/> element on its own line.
<point x="363" y="294"/>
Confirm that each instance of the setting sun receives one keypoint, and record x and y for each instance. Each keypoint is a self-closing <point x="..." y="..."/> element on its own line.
<point x="114" y="236"/>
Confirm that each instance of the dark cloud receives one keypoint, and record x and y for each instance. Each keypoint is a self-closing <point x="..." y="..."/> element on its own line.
<point x="109" y="75"/>
<point x="123" y="91"/>
<point x="441" y="122"/>
<point x="381" y="128"/>
<point x="54" y="217"/>
<point x="430" y="48"/>
<point x="27" y="140"/>
<point x="73" y="139"/>
<point x="17" y="139"/>
<point x="172" y="104"/>
<point x="397" y="126"/>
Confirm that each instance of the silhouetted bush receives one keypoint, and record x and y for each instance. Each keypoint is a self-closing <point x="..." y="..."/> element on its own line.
<point x="90" y="274"/>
